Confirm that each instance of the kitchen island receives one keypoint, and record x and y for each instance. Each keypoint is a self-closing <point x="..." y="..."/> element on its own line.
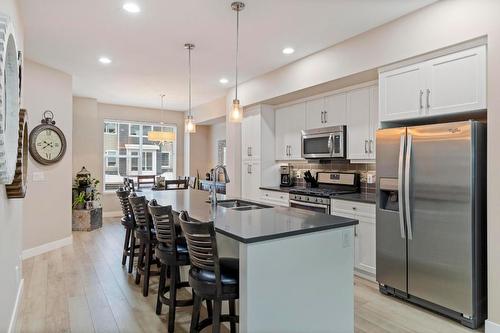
<point x="296" y="266"/>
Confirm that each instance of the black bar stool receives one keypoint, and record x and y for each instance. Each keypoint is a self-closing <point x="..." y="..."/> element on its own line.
<point x="212" y="278"/>
<point x="172" y="253"/>
<point x="128" y="223"/>
<point x="147" y="238"/>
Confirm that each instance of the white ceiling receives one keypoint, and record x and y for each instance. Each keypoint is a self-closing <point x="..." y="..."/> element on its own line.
<point x="148" y="52"/>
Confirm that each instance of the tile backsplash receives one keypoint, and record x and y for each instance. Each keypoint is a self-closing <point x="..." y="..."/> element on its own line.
<point x="364" y="169"/>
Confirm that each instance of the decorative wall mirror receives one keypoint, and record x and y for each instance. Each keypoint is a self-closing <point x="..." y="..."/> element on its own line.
<point x="9" y="101"/>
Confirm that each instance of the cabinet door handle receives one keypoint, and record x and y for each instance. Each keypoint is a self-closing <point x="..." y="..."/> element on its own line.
<point x="248" y="168"/>
<point x="326" y="116"/>
<point x="248" y="151"/>
<point x="366" y="146"/>
<point x="250" y="148"/>
<point x="289" y="151"/>
<point x="322" y="113"/>
<point x="420" y="99"/>
<point x="371" y="146"/>
<point x="355" y="231"/>
<point x="428" y="99"/>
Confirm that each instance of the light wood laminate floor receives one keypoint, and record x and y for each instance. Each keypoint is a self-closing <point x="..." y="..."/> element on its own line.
<point x="84" y="288"/>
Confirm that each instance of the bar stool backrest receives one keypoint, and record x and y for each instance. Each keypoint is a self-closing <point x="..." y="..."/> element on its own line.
<point x="128" y="184"/>
<point x="123" y="195"/>
<point x="164" y="224"/>
<point x="141" y="213"/>
<point x="192" y="182"/>
<point x="202" y="246"/>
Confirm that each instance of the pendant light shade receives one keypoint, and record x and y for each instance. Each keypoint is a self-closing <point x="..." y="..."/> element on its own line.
<point x="160" y="136"/>
<point x="189" y="125"/>
<point x="236" y="114"/>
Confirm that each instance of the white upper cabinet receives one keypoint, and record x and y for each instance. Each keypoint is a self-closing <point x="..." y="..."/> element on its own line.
<point x="401" y="93"/>
<point x="335" y="109"/>
<point x="362" y="123"/>
<point x="315" y="111"/>
<point x="326" y="111"/>
<point x="290" y="121"/>
<point x="251" y="134"/>
<point x="449" y="84"/>
<point x="457" y="82"/>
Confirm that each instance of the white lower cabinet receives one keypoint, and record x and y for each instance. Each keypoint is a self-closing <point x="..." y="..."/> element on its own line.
<point x="364" y="234"/>
<point x="275" y="198"/>
<point x="250" y="180"/>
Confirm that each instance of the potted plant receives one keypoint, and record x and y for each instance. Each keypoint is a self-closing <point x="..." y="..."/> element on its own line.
<point x="87" y="212"/>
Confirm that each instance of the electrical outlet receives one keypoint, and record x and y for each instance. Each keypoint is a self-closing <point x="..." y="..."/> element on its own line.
<point x="38" y="176"/>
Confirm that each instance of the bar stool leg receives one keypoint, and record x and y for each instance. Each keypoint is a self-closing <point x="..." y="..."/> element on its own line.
<point x="232" y="313"/>
<point x="140" y="261"/>
<point x="217" y="314"/>
<point x="132" y="253"/>
<point x="161" y="288"/>
<point x="195" y="316"/>
<point x="173" y="296"/>
<point x="126" y="246"/>
<point x="147" y="269"/>
<point x="210" y="311"/>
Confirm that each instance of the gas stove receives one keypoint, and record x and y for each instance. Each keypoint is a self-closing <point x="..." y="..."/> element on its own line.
<point x="330" y="185"/>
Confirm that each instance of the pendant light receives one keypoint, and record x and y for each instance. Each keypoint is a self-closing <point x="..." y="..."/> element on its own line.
<point x="189" y="125"/>
<point x="236" y="114"/>
<point x="161" y="136"/>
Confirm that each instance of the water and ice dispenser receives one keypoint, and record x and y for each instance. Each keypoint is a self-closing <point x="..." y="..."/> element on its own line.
<point x="389" y="196"/>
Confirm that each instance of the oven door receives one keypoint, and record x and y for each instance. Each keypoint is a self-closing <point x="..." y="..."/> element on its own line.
<point x="320" y="208"/>
<point x="323" y="145"/>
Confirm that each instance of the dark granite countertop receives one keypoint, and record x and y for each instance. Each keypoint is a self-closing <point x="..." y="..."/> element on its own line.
<point x="284" y="189"/>
<point x="359" y="197"/>
<point x="248" y="226"/>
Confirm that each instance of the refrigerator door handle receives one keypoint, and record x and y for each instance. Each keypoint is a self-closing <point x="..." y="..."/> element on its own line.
<point x="400" y="186"/>
<point x="407" y="185"/>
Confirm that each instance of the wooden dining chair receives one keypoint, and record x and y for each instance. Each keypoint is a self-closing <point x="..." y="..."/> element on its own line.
<point x="192" y="182"/>
<point x="212" y="278"/>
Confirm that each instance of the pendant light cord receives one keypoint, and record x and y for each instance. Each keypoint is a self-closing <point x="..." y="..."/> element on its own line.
<point x="189" y="49"/>
<point x="237" y="46"/>
<point x="162" y="106"/>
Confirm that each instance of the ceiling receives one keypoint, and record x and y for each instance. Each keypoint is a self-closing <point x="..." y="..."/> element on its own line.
<point x="147" y="49"/>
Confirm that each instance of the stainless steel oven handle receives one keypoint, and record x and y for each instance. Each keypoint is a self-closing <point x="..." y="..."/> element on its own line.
<point x="407" y="185"/>
<point x="400" y="186"/>
<point x="309" y="204"/>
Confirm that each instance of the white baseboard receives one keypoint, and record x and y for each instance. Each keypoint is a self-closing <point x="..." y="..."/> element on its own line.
<point x="34" y="251"/>
<point x="491" y="327"/>
<point x="116" y="213"/>
<point x="17" y="307"/>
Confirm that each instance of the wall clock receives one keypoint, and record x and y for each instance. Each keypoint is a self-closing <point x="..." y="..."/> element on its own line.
<point x="9" y="101"/>
<point x="47" y="142"/>
<point x="17" y="189"/>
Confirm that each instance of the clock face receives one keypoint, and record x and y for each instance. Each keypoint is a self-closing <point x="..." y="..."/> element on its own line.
<point x="48" y="144"/>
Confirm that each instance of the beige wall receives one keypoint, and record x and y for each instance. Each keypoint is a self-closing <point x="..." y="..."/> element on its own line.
<point x="210" y="110"/>
<point x="11" y="214"/>
<point x="434" y="27"/>
<point x="88" y="123"/>
<point x="47" y="209"/>
<point x="199" y="151"/>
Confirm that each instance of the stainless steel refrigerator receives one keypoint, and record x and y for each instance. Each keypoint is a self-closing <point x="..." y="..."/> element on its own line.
<point x="431" y="217"/>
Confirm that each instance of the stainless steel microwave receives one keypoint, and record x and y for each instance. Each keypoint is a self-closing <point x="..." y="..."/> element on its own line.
<point x="324" y="143"/>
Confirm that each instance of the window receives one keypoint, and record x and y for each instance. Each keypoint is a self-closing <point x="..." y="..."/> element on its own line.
<point x="129" y="153"/>
<point x="134" y="129"/>
<point x="111" y="158"/>
<point x="110" y="128"/>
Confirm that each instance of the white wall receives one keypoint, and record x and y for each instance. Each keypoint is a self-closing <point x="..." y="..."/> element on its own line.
<point x="434" y="27"/>
<point x="47" y="209"/>
<point x="11" y="214"/>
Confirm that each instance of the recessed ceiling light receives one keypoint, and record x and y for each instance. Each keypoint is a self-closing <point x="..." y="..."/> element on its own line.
<point x="104" y="60"/>
<point x="131" y="7"/>
<point x="288" y="50"/>
<point x="223" y="80"/>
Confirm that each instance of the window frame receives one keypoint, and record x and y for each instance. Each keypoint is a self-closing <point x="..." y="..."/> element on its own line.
<point x="106" y="156"/>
